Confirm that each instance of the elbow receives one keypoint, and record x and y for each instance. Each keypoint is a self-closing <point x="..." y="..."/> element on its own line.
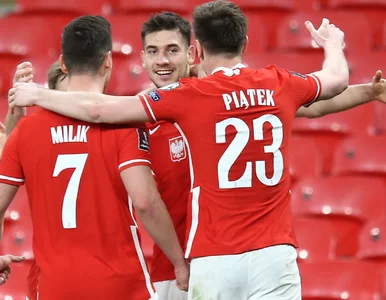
<point x="338" y="85"/>
<point x="342" y="84"/>
<point x="93" y="111"/>
<point x="341" y="81"/>
<point x="147" y="205"/>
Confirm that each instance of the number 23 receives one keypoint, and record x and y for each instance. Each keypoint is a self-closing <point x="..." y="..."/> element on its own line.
<point x="238" y="144"/>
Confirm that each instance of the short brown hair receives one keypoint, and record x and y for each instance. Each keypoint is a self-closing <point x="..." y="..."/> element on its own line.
<point x="221" y="27"/>
<point x="167" y="21"/>
<point x="54" y="74"/>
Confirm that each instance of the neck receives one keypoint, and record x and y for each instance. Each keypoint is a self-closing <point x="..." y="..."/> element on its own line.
<point x="214" y="62"/>
<point x="86" y="83"/>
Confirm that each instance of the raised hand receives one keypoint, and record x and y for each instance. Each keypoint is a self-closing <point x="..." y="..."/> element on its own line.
<point x="326" y="34"/>
<point x="23" y="73"/>
<point x="379" y="87"/>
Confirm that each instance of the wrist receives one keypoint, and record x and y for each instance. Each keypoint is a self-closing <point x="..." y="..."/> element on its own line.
<point x="179" y="262"/>
<point x="39" y="96"/>
<point x="369" y="92"/>
<point x="333" y="45"/>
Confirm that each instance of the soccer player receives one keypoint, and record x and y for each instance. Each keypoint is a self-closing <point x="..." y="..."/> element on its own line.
<point x="232" y="219"/>
<point x="166" y="55"/>
<point x="85" y="239"/>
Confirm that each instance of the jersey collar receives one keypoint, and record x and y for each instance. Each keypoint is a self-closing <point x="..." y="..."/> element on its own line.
<point x="238" y="66"/>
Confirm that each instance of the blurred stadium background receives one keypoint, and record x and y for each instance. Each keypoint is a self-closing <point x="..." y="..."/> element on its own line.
<point x="338" y="162"/>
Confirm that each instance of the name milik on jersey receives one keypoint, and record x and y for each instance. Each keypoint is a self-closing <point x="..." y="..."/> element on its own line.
<point x="69" y="134"/>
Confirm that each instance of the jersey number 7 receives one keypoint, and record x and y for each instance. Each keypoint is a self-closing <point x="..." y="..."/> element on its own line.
<point x="238" y="144"/>
<point x="70" y="161"/>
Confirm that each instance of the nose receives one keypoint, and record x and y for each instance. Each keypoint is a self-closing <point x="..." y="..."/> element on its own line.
<point x="162" y="59"/>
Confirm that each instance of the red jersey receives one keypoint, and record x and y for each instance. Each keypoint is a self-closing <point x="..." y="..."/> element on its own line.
<point x="237" y="125"/>
<point x="85" y="240"/>
<point x="170" y="164"/>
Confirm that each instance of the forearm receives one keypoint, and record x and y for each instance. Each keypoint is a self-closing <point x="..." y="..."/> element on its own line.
<point x="77" y="105"/>
<point x="13" y="117"/>
<point x="158" y="224"/>
<point x="335" y="61"/>
<point x="93" y="107"/>
<point x="334" y="75"/>
<point x="353" y="96"/>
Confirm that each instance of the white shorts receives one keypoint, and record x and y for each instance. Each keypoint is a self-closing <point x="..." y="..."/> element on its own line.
<point x="267" y="274"/>
<point x="168" y="290"/>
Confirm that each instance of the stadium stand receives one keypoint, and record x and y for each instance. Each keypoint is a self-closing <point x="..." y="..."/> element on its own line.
<point x="338" y="162"/>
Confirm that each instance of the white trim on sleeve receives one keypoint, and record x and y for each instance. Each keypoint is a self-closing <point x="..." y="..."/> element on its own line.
<point x="11" y="178"/>
<point x="149" y="108"/>
<point x="133" y="161"/>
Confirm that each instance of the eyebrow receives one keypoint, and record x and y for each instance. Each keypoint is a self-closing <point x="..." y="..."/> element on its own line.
<point x="167" y="46"/>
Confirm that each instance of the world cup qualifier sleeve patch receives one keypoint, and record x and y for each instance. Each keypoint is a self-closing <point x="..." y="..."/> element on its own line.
<point x="154" y="96"/>
<point x="299" y="75"/>
<point x="143" y="140"/>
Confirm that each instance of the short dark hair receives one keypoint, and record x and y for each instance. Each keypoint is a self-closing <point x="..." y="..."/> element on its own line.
<point x="85" y="42"/>
<point x="54" y="75"/>
<point x="221" y="27"/>
<point x="167" y="21"/>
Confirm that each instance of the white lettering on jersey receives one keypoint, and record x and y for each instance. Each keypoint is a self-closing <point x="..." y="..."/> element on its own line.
<point x="66" y="134"/>
<point x="241" y="99"/>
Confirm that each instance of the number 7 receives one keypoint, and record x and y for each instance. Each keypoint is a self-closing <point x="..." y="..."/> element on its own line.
<point x="70" y="161"/>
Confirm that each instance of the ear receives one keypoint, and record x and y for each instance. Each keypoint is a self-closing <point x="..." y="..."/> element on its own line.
<point x="143" y="59"/>
<point x="191" y="54"/>
<point x="109" y="60"/>
<point x="62" y="64"/>
<point x="200" y="50"/>
<point x="245" y="47"/>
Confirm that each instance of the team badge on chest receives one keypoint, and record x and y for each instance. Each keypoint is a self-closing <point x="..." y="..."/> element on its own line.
<point x="177" y="149"/>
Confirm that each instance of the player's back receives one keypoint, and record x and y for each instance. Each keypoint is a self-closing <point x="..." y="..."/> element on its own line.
<point x="85" y="239"/>
<point x="237" y="124"/>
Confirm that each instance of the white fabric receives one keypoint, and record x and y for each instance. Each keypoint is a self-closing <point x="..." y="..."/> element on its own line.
<point x="168" y="290"/>
<point x="267" y="274"/>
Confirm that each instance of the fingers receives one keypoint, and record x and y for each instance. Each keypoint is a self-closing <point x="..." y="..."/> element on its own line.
<point x="15" y="258"/>
<point x="378" y="76"/>
<point x="182" y="287"/>
<point x="310" y="27"/>
<point x="23" y="75"/>
<point x="325" y="22"/>
<point x="24" y="65"/>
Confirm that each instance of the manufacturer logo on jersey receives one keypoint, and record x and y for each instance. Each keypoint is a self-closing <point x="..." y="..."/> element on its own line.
<point x="154" y="96"/>
<point x="170" y="87"/>
<point x="177" y="149"/>
<point x="143" y="140"/>
<point x="299" y="75"/>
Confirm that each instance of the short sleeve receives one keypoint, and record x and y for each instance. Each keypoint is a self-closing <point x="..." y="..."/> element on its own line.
<point x="133" y="146"/>
<point x="168" y="103"/>
<point x="303" y="90"/>
<point x="11" y="171"/>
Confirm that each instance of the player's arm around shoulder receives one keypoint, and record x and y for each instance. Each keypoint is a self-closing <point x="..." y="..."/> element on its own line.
<point x="334" y="76"/>
<point x="85" y="106"/>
